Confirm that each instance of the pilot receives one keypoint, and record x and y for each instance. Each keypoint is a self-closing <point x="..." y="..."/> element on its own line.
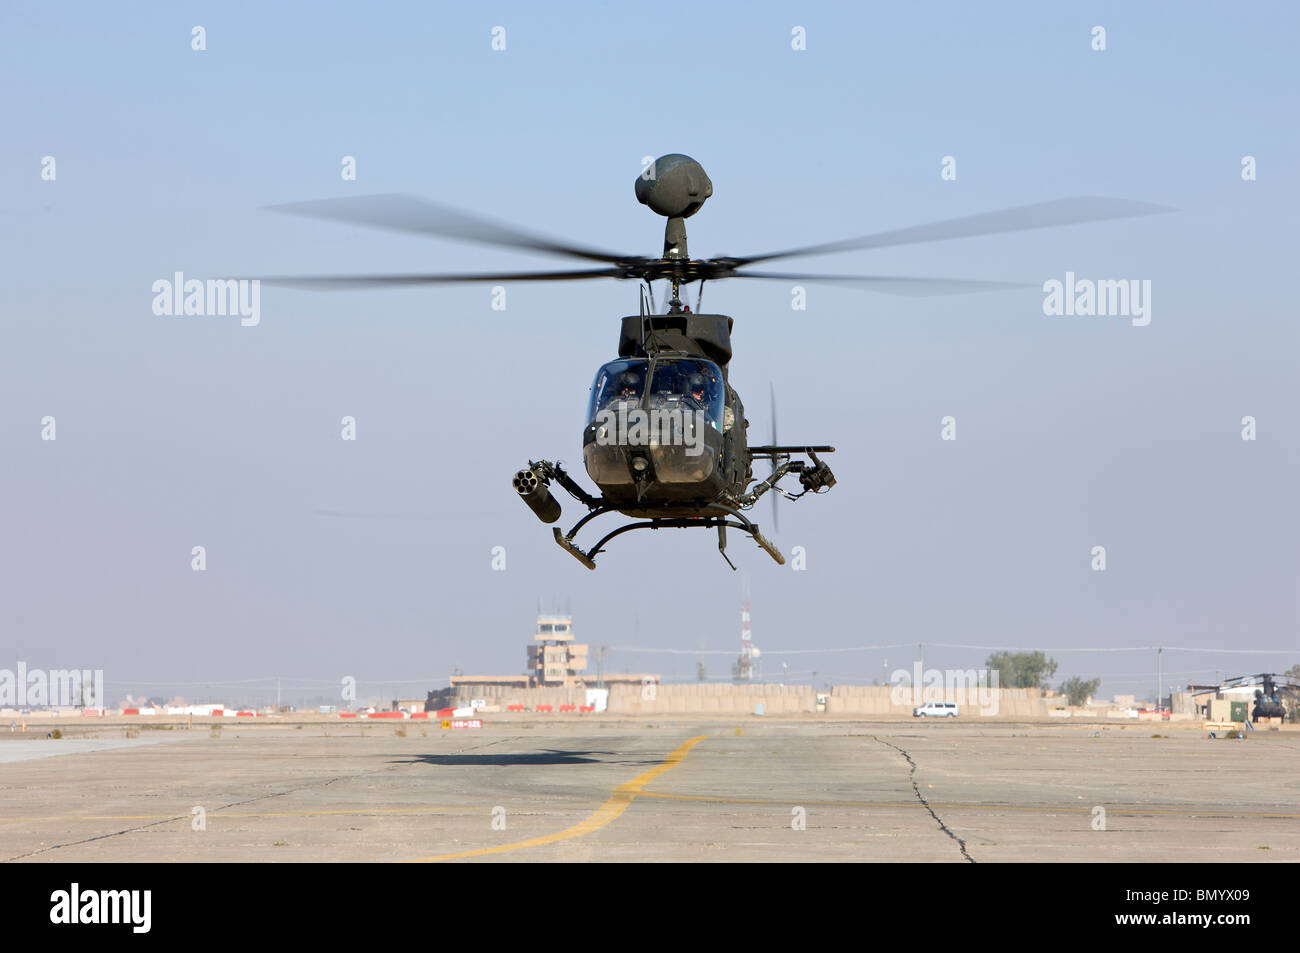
<point x="697" y="387"/>
<point x="629" y="386"/>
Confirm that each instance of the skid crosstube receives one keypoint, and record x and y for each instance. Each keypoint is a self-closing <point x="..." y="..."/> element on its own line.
<point x="720" y="522"/>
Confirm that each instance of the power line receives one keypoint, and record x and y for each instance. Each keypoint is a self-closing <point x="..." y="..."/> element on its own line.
<point x="305" y="682"/>
<point x="208" y="682"/>
<point x="663" y="651"/>
<point x="955" y="645"/>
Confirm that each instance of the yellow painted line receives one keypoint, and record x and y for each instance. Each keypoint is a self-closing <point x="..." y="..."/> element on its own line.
<point x="361" y="811"/>
<point x="90" y="817"/>
<point x="608" y="812"/>
<point x="673" y="797"/>
<point x="217" y="812"/>
<point x="1128" y="812"/>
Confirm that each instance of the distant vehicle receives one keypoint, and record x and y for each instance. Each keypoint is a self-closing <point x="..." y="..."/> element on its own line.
<point x="936" y="710"/>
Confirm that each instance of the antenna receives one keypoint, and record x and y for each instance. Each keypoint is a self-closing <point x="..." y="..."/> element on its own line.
<point x="644" y="290"/>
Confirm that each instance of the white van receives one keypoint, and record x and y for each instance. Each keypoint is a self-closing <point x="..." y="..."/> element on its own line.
<point x="935" y="710"/>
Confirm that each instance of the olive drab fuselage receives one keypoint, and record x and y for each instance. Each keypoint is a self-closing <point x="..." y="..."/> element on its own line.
<point x="653" y="447"/>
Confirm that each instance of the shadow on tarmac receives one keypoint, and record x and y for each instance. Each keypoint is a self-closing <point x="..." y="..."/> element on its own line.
<point x="550" y="756"/>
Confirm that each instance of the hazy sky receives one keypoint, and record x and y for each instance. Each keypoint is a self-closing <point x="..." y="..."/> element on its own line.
<point x="1073" y="432"/>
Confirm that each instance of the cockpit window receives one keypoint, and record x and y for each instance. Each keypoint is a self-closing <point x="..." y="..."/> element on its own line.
<point x="618" y="381"/>
<point x="686" y="384"/>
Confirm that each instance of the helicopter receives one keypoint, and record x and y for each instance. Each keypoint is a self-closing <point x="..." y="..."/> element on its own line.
<point x="665" y="437"/>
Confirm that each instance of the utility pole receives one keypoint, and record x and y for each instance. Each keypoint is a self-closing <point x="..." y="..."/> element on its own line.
<point x="745" y="664"/>
<point x="1160" y="678"/>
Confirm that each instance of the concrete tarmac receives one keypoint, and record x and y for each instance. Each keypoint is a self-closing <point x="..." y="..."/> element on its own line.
<point x="602" y="788"/>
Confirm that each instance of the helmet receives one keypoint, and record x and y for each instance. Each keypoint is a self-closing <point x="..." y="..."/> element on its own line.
<point x="628" y="381"/>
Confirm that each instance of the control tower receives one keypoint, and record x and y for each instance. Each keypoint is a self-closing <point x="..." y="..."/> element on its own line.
<point x="554" y="660"/>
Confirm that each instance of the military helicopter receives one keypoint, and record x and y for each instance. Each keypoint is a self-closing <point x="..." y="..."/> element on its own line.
<point x="665" y="437"/>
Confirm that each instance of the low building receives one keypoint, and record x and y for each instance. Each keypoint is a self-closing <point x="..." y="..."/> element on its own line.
<point x="557" y="673"/>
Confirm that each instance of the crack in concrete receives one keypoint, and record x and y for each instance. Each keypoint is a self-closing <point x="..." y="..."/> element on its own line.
<point x="87" y="840"/>
<point x="924" y="803"/>
<point x="178" y="817"/>
<point x="223" y="807"/>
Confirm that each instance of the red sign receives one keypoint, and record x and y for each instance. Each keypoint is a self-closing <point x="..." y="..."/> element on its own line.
<point x="467" y="723"/>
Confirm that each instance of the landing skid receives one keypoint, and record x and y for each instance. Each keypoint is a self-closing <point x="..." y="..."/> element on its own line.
<point x="720" y="522"/>
<point x="532" y="485"/>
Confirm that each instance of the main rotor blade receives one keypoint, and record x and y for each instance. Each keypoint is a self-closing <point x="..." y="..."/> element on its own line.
<point x="1068" y="211"/>
<point x="344" y="282"/>
<point x="410" y="213"/>
<point x="892" y="284"/>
